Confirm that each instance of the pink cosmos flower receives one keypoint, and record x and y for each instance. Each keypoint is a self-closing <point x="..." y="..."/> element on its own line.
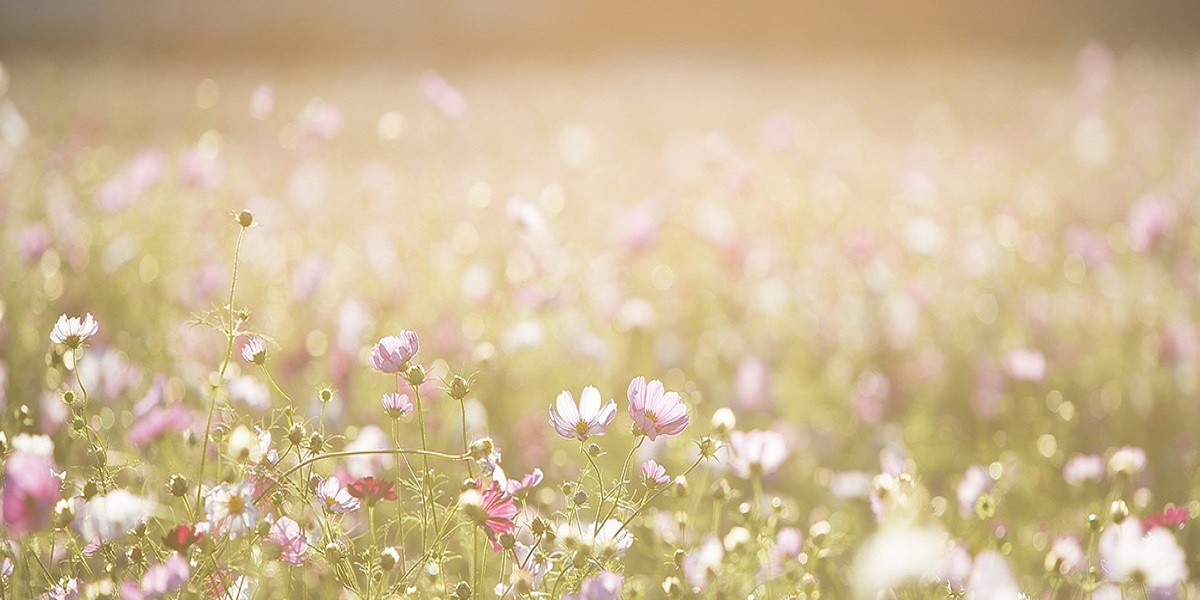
<point x="73" y="331"/>
<point x="392" y="353"/>
<point x="758" y="451"/>
<point x="589" y="418"/>
<point x="655" y="411"/>
<point x="287" y="534"/>
<point x="160" y="580"/>
<point x="1026" y="365"/>
<point x="517" y="486"/>
<point x="30" y="492"/>
<point x="396" y="404"/>
<point x="655" y="474"/>
<point x="1171" y="517"/>
<point x="606" y="585"/>
<point x="492" y="509"/>
<point x="334" y="497"/>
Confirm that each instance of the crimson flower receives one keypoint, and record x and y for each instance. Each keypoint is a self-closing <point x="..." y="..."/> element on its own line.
<point x="371" y="490"/>
<point x="181" y="538"/>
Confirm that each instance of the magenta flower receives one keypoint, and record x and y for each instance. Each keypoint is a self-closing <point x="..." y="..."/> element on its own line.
<point x="30" y="492"/>
<point x="655" y="474"/>
<point x="589" y="418"/>
<point x="396" y="404"/>
<point x="392" y="353"/>
<point x="334" y="497"/>
<point x="492" y="509"/>
<point x="287" y="534"/>
<point x="74" y="331"/>
<point x="656" y="411"/>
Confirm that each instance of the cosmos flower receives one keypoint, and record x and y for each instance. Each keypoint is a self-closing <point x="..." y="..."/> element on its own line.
<point x="654" y="474"/>
<point x="491" y="509"/>
<point x="1083" y="467"/>
<point x="160" y="580"/>
<point x="992" y="578"/>
<point x="1171" y="517"/>
<point x="110" y="516"/>
<point x="589" y="418"/>
<point x="182" y="537"/>
<point x="230" y="508"/>
<point x="759" y="452"/>
<point x="1128" y="460"/>
<point x="255" y="351"/>
<point x="605" y="585"/>
<point x="655" y="411"/>
<point x="518" y="486"/>
<point x="392" y="353"/>
<point x="334" y="498"/>
<point x="975" y="483"/>
<point x="1154" y="557"/>
<point x="72" y="332"/>
<point x="371" y="490"/>
<point x="396" y="404"/>
<point x="30" y="491"/>
<point x="249" y="446"/>
<point x="703" y="564"/>
<point x="287" y="534"/>
<point x="1065" y="556"/>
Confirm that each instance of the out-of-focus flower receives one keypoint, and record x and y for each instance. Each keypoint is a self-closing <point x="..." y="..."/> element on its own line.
<point x="702" y="565"/>
<point x="371" y="490"/>
<point x="112" y="515"/>
<point x="230" y="508"/>
<point x="1065" y="556"/>
<point x="1083" y="467"/>
<point x="396" y="404"/>
<point x="992" y="578"/>
<point x="896" y="555"/>
<point x="255" y="351"/>
<point x="756" y="453"/>
<point x="974" y="484"/>
<point x="490" y="508"/>
<point x="72" y="332"/>
<point x="30" y="491"/>
<point x="287" y="534"/>
<point x="392" y="353"/>
<point x="1128" y="460"/>
<point x="201" y="168"/>
<point x="262" y="101"/>
<point x="160" y="580"/>
<point x="517" y="486"/>
<point x="370" y="437"/>
<point x="1171" y="517"/>
<point x="249" y="446"/>
<point x="444" y="96"/>
<point x="1149" y="221"/>
<point x="182" y="537"/>
<point x="1026" y="365"/>
<point x="605" y="585"/>
<point x="612" y="538"/>
<point x="334" y="498"/>
<point x="752" y="384"/>
<point x="67" y="589"/>
<point x="1127" y="553"/>
<point x="955" y="567"/>
<point x="655" y="474"/>
<point x="654" y="410"/>
<point x="587" y="419"/>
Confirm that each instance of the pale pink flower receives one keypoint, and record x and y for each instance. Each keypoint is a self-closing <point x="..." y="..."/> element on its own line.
<point x="1128" y="460"/>
<point x="334" y="497"/>
<point x="654" y="474"/>
<point x="1067" y="554"/>
<point x="992" y="578"/>
<point x="392" y="353"/>
<point x="654" y="410"/>
<point x="974" y="484"/>
<point x="1026" y="365"/>
<point x="606" y="585"/>
<point x="1149" y="221"/>
<point x="255" y="351"/>
<point x="74" y="331"/>
<point x="1154" y="558"/>
<point x="517" y="486"/>
<point x="1083" y="467"/>
<point x="756" y="452"/>
<point x="396" y="404"/>
<point x="703" y="564"/>
<point x="30" y="491"/>
<point x="287" y="534"/>
<point x="589" y="418"/>
<point x="160" y="580"/>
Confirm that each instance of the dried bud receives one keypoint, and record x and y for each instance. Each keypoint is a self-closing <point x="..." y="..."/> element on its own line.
<point x="90" y="489"/>
<point x="244" y="218"/>
<point x="68" y="397"/>
<point x="594" y="450"/>
<point x="507" y="541"/>
<point x="462" y="591"/>
<point x="296" y="434"/>
<point x="389" y="558"/>
<point x="333" y="553"/>
<point x="178" y="485"/>
<point x="580" y="498"/>
<point x="316" y="443"/>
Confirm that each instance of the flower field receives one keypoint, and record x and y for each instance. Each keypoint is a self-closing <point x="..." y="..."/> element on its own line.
<point x="649" y="326"/>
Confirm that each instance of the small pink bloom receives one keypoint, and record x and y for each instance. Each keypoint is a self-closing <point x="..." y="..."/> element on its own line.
<point x="655" y="474"/>
<point x="1026" y="365"/>
<point x="396" y="404"/>
<point x="392" y="353"/>
<point x="579" y="422"/>
<point x="654" y="410"/>
<point x="1171" y="517"/>
<point x="606" y="585"/>
<point x="30" y="492"/>
<point x="756" y="452"/>
<point x="255" y="351"/>
<point x="492" y="509"/>
<point x="286" y="534"/>
<point x="517" y="486"/>
<point x="1083" y="467"/>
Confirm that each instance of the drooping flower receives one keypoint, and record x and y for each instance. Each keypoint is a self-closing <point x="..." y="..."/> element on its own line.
<point x="287" y="534"/>
<point x="30" y="491"/>
<point x="655" y="474"/>
<point x="72" y="332"/>
<point x="491" y="509"/>
<point x="392" y="353"/>
<point x="759" y="452"/>
<point x="396" y="404"/>
<point x="255" y="351"/>
<point x="589" y="418"/>
<point x="230" y="508"/>
<point x="334" y="498"/>
<point x="371" y="490"/>
<point x="1154" y="557"/>
<point x="654" y="410"/>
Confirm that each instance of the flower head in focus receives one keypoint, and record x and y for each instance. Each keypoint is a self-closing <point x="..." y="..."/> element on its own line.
<point x="73" y="332"/>
<point x="396" y="404"/>
<point x="654" y="410"/>
<point x="230" y="508"/>
<point x="255" y="351"/>
<point x="587" y="419"/>
<point x="287" y="534"/>
<point x="655" y="474"/>
<point x="334" y="498"/>
<point x="392" y="353"/>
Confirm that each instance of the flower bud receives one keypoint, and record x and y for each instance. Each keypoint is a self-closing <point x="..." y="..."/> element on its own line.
<point x="296" y="434"/>
<point x="1119" y="511"/>
<point x="64" y="513"/>
<point x="672" y="587"/>
<point x="507" y="541"/>
<point x="580" y="498"/>
<point x="68" y="398"/>
<point x="325" y="395"/>
<point x="316" y="443"/>
<point x="709" y="447"/>
<point x="459" y="387"/>
<point x="723" y="421"/>
<point x="178" y="485"/>
<point x="462" y="591"/>
<point x="415" y="375"/>
<point x="263" y="528"/>
<point x="678" y="557"/>
<point x="90" y="489"/>
<point x="333" y="553"/>
<point x="1094" y="523"/>
<point x="594" y="450"/>
<point x="679" y="486"/>
<point x="244" y="218"/>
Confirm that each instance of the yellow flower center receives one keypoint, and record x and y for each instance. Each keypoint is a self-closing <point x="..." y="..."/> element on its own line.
<point x="236" y="505"/>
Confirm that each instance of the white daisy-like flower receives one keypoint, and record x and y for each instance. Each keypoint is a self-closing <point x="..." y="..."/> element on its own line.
<point x="74" y="331"/>
<point x="112" y="515"/>
<point x="586" y="419"/>
<point x="1153" y="558"/>
<point x="758" y="451"/>
<point x="249" y="446"/>
<point x="255" y="351"/>
<point x="334" y="497"/>
<point x="230" y="508"/>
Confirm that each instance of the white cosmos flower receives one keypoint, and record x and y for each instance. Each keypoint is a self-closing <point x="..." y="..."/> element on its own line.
<point x="110" y="516"/>
<point x="589" y="418"/>
<point x="1127" y="553"/>
<point x="73" y="331"/>
<point x="757" y="451"/>
<point x="230" y="508"/>
<point x="37" y="445"/>
<point x="897" y="555"/>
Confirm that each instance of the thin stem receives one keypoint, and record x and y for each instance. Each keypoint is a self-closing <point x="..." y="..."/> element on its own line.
<point x="426" y="493"/>
<point x="345" y="453"/>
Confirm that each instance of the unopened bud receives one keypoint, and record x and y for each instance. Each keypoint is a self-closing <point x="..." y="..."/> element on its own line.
<point x="415" y="375"/>
<point x="177" y="485"/>
<point x="459" y="387"/>
<point x="580" y="498"/>
<point x="316" y="443"/>
<point x="333" y="553"/>
<point x="296" y="434"/>
<point x="1119" y="511"/>
<point x="723" y="421"/>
